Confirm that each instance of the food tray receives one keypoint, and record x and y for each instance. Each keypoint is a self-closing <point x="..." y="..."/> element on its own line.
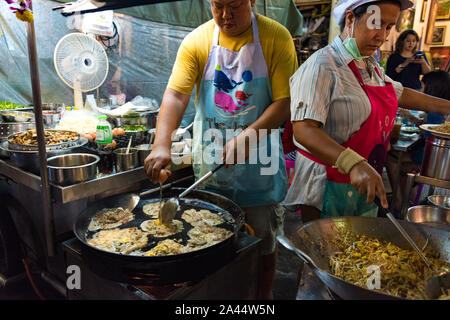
<point x="17" y="116"/>
<point x="57" y="146"/>
<point x="427" y="127"/>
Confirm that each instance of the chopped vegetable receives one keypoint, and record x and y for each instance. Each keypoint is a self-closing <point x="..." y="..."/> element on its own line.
<point x="6" y="105"/>
<point x="134" y="128"/>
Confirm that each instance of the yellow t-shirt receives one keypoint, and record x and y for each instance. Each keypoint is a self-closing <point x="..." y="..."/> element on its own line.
<point x="276" y="43"/>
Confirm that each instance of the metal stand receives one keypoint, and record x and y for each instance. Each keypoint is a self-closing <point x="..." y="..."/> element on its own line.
<point x="35" y="85"/>
<point x="411" y="181"/>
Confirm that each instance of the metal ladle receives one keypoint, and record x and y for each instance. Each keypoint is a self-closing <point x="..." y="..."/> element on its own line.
<point x="169" y="208"/>
<point x="435" y="284"/>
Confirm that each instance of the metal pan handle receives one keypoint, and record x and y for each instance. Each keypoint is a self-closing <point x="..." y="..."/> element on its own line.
<point x="145" y="193"/>
<point x="290" y="246"/>
<point x="199" y="181"/>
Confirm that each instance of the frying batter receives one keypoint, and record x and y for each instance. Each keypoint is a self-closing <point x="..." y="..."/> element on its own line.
<point x="206" y="236"/>
<point x="109" y="218"/>
<point x="162" y="230"/>
<point x="166" y="247"/>
<point x="201" y="218"/>
<point x="121" y="241"/>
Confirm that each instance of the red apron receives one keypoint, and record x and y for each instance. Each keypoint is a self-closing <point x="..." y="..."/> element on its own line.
<point x="371" y="141"/>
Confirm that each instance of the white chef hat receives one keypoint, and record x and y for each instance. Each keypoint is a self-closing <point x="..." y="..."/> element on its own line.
<point x="344" y="5"/>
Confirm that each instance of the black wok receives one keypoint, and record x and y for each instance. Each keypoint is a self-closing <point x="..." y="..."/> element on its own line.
<point x="315" y="240"/>
<point x="158" y="270"/>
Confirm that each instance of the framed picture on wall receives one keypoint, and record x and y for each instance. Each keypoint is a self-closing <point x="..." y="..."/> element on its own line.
<point x="439" y="56"/>
<point x="423" y="12"/>
<point x="443" y="10"/>
<point x="438" y="36"/>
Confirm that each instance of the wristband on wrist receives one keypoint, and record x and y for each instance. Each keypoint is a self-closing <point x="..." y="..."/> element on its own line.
<point x="347" y="160"/>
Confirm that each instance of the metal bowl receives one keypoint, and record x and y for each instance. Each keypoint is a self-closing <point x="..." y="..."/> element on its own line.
<point x="50" y="118"/>
<point x="17" y="116"/>
<point x="147" y="119"/>
<point x="52" y="106"/>
<point x="72" y="168"/>
<point x="126" y="161"/>
<point x="430" y="215"/>
<point x="440" y="201"/>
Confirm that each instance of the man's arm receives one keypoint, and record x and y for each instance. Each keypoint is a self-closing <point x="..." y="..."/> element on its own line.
<point x="173" y="106"/>
<point x="272" y="118"/>
<point x="414" y="100"/>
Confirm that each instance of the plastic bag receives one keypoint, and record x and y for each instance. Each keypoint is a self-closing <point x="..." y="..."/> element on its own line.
<point x="81" y="121"/>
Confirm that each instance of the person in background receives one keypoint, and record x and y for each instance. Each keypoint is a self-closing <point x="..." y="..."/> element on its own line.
<point x="240" y="64"/>
<point x="406" y="64"/>
<point x="436" y="84"/>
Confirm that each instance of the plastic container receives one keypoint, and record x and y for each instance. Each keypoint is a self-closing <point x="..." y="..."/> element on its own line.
<point x="104" y="137"/>
<point x="104" y="132"/>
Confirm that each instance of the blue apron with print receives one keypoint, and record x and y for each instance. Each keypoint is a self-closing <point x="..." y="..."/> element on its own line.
<point x="234" y="92"/>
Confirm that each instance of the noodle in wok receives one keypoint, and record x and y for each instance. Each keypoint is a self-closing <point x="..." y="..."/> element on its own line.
<point x="403" y="273"/>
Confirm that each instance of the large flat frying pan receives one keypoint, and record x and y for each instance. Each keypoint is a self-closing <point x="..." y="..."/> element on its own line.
<point x="168" y="269"/>
<point x="316" y="241"/>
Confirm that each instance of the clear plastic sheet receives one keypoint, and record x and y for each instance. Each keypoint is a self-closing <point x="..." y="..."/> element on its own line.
<point x="140" y="65"/>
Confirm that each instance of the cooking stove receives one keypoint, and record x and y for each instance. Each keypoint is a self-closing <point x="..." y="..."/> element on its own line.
<point x="234" y="280"/>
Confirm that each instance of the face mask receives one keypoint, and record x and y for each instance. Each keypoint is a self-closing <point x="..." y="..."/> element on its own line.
<point x="352" y="48"/>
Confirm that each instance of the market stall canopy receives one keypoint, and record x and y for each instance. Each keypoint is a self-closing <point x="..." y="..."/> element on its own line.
<point x="174" y="12"/>
<point x="88" y="6"/>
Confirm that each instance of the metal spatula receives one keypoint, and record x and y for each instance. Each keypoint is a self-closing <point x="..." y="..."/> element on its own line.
<point x="169" y="208"/>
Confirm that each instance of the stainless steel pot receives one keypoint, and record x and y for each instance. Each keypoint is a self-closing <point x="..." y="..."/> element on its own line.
<point x="126" y="161"/>
<point x="436" y="161"/>
<point x="53" y="106"/>
<point x="143" y="151"/>
<point x="51" y="118"/>
<point x="147" y="119"/>
<point x="72" y="168"/>
<point x="29" y="160"/>
<point x="9" y="128"/>
<point x="17" y="116"/>
<point x="429" y="215"/>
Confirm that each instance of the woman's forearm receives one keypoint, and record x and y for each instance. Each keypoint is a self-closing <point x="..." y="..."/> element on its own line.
<point x="425" y="67"/>
<point x="414" y="100"/>
<point x="310" y="135"/>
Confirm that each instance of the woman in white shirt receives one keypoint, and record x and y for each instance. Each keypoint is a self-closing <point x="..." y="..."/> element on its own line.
<point x="343" y="109"/>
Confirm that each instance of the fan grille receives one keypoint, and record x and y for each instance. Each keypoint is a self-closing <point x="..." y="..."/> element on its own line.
<point x="79" y="57"/>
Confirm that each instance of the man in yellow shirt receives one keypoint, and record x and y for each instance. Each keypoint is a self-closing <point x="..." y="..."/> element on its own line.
<point x="240" y="64"/>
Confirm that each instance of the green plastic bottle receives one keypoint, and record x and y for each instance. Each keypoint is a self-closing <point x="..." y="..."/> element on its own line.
<point x="103" y="133"/>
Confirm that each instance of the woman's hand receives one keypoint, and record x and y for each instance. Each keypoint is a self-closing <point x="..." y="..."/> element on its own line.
<point x="408" y="61"/>
<point x="423" y="63"/>
<point x="366" y="180"/>
<point x="156" y="164"/>
<point x="403" y="65"/>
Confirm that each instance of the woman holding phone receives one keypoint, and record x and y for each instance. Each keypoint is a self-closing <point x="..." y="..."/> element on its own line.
<point x="406" y="64"/>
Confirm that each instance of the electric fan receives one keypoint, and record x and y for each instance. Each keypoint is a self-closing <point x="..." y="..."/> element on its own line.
<point x="81" y="63"/>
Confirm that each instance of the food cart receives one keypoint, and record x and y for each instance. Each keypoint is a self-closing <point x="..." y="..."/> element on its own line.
<point x="39" y="215"/>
